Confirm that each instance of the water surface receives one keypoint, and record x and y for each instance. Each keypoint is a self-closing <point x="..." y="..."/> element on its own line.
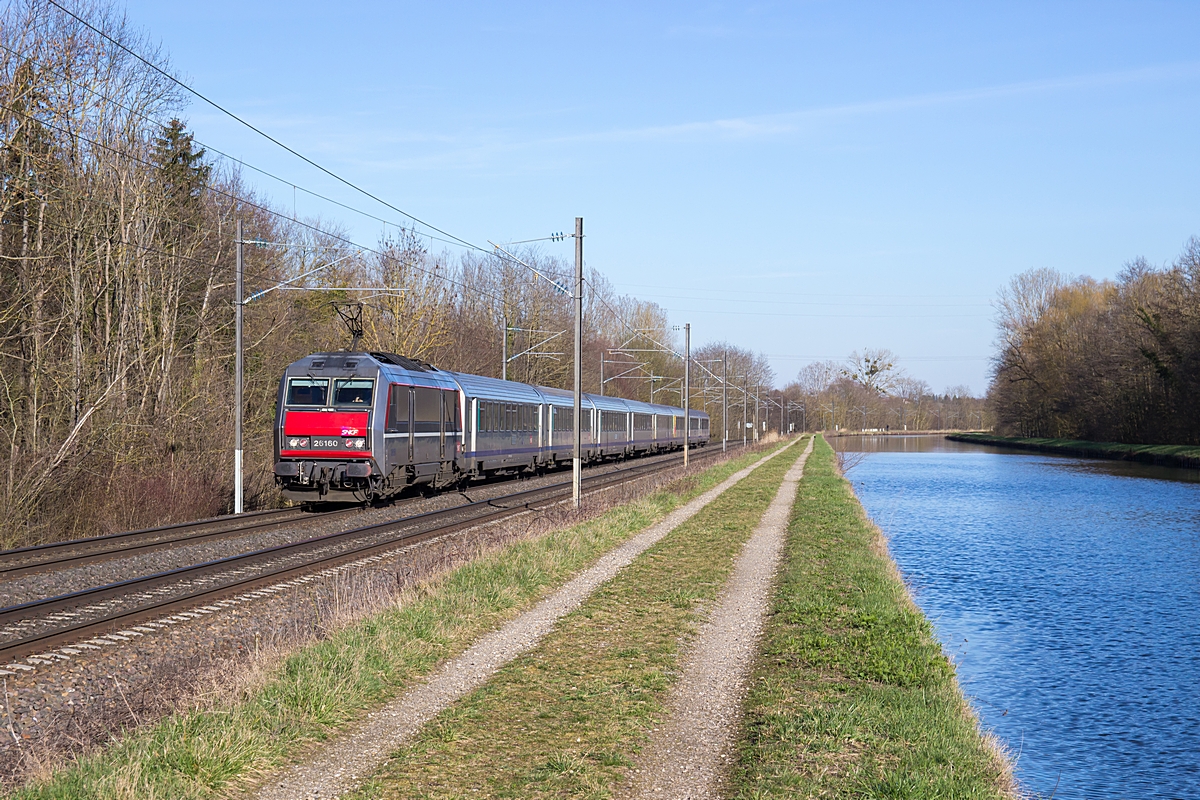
<point x="1068" y="593"/>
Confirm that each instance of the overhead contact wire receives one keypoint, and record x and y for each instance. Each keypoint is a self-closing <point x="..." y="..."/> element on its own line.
<point x="260" y="132"/>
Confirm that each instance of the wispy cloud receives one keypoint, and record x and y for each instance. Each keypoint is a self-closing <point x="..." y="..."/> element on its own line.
<point x="489" y="149"/>
<point x="767" y="125"/>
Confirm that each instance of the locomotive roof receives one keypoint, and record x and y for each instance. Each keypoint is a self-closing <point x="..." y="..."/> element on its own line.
<point x="397" y="369"/>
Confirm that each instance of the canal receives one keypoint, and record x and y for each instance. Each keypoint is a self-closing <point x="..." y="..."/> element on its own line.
<point x="1067" y="592"/>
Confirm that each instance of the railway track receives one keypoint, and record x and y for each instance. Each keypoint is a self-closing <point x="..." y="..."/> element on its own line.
<point x="114" y="609"/>
<point x="75" y="552"/>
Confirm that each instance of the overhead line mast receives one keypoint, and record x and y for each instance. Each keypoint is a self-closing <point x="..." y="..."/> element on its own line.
<point x="576" y="462"/>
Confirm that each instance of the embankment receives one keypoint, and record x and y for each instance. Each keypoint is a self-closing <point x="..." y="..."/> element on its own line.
<point x="1165" y="455"/>
<point x="852" y="696"/>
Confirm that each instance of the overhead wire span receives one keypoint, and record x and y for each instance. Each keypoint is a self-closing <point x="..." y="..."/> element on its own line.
<point x="251" y="204"/>
<point x="638" y="331"/>
<point x="260" y="132"/>
<point x="93" y="230"/>
<point x="234" y="159"/>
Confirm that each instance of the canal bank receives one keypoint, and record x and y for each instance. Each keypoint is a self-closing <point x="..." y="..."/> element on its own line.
<point x="853" y="695"/>
<point x="1065" y="591"/>
<point x="1163" y="455"/>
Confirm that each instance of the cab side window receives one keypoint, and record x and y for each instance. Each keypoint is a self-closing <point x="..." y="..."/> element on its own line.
<point x="397" y="412"/>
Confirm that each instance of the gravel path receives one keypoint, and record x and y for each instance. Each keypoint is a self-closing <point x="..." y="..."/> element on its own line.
<point x="342" y="765"/>
<point x="688" y="757"/>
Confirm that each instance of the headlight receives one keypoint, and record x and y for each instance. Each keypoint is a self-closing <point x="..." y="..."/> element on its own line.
<point x="297" y="442"/>
<point x="355" y="444"/>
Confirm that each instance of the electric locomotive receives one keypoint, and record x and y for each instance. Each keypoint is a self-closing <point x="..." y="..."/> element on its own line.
<point x="359" y="427"/>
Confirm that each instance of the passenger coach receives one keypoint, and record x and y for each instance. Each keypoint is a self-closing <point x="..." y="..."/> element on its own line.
<point x="356" y="427"/>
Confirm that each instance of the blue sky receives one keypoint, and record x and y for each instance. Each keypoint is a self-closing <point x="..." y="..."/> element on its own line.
<point x="868" y="174"/>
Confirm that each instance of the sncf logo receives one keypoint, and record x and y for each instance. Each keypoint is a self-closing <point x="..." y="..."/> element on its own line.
<point x="349" y="431"/>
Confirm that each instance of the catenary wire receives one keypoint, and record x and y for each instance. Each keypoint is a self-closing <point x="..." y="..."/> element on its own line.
<point x="284" y="181"/>
<point x="251" y="204"/>
<point x="260" y="132"/>
<point x="227" y="156"/>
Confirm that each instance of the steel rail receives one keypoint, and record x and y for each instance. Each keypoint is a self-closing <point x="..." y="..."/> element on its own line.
<point x="49" y="547"/>
<point x="486" y="511"/>
<point x="60" y="555"/>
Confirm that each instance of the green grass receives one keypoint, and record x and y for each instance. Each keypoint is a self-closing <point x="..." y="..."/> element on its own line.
<point x="1171" y="455"/>
<point x="322" y="688"/>
<point x="569" y="718"/>
<point x="852" y="696"/>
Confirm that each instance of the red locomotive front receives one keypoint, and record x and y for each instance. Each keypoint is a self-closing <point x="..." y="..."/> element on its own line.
<point x="324" y="438"/>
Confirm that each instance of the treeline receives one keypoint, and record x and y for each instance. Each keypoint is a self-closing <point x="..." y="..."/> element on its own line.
<point x="868" y="391"/>
<point x="116" y="296"/>
<point x="1102" y="360"/>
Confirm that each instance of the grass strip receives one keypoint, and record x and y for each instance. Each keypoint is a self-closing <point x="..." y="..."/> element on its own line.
<point x="1167" y="455"/>
<point x="322" y="688"/>
<point x="852" y="696"/>
<point x="567" y="719"/>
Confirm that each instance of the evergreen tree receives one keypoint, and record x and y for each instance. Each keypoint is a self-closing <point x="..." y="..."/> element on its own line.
<point x="183" y="172"/>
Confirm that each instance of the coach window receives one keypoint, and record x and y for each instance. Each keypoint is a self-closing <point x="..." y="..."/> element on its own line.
<point x="427" y="411"/>
<point x="353" y="393"/>
<point x="307" y="391"/>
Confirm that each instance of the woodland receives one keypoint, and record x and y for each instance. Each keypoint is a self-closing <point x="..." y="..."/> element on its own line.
<point x="1110" y="361"/>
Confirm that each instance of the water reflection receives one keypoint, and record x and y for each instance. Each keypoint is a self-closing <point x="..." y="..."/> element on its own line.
<point x="1068" y="593"/>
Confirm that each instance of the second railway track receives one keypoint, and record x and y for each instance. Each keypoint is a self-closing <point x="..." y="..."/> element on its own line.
<point x="41" y="625"/>
<point x="74" y="552"/>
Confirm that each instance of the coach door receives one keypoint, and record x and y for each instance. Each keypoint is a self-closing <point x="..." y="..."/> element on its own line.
<point x="451" y="424"/>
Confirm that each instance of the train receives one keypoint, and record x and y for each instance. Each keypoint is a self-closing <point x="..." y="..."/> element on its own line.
<point x="362" y="427"/>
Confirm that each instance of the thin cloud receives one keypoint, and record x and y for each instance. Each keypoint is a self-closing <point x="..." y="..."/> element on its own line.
<point x="766" y="125"/>
<point x="478" y="150"/>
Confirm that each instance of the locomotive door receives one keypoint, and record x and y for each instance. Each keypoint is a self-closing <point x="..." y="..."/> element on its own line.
<point x="398" y="428"/>
<point x="427" y="425"/>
